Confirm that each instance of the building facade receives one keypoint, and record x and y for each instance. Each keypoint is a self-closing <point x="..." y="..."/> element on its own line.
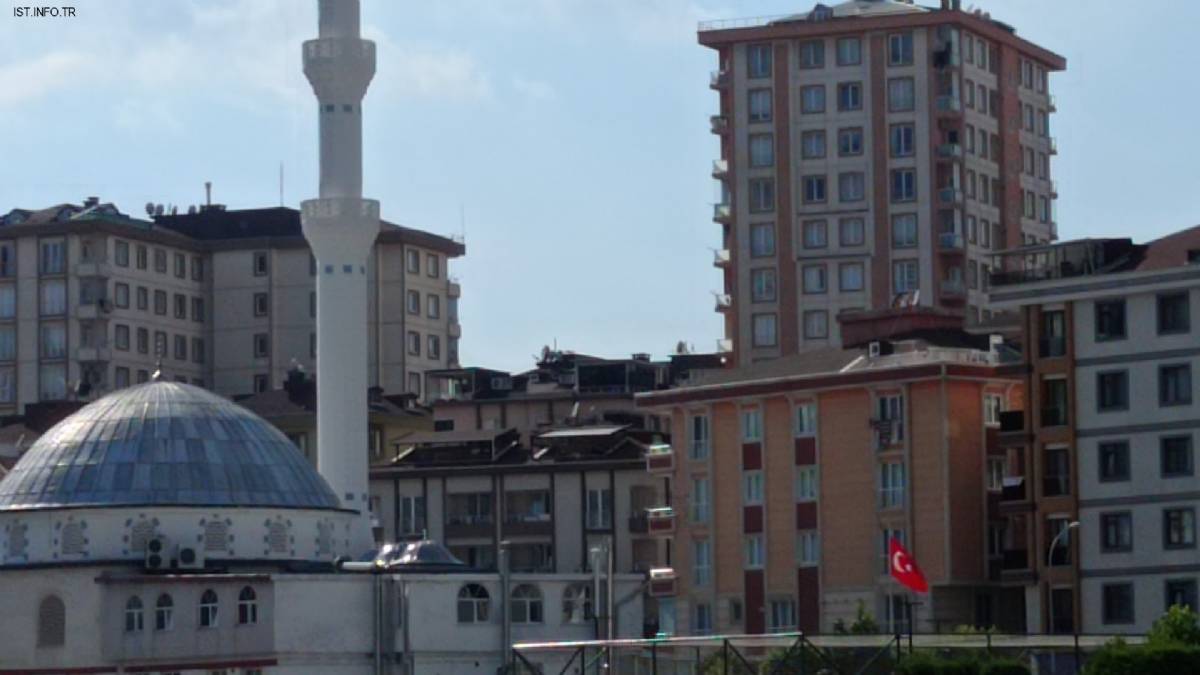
<point x="226" y="299"/>
<point x="1107" y="442"/>
<point x="787" y="483"/>
<point x="871" y="150"/>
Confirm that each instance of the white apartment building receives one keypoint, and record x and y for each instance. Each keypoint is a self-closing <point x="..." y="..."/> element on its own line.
<point x="90" y="299"/>
<point x="1119" y="325"/>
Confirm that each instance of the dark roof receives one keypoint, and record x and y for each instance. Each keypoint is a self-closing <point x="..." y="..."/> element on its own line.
<point x="823" y="360"/>
<point x="281" y="222"/>
<point x="282" y="403"/>
<point x="1174" y="250"/>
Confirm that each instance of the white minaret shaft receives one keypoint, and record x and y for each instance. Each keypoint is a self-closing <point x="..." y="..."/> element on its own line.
<point x="341" y="227"/>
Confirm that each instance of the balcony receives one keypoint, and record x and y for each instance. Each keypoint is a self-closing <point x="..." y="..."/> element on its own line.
<point x="1054" y="417"/>
<point x="888" y="433"/>
<point x="950" y="151"/>
<point x="1056" y="486"/>
<point x="1049" y="347"/>
<point x="454" y="329"/>
<point x="1053" y="145"/>
<point x="1054" y="189"/>
<point x="949" y="104"/>
<point x="660" y="521"/>
<point x="720" y="168"/>
<point x="453" y="289"/>
<point x="722" y="213"/>
<point x="719" y="124"/>
<point x="725" y="346"/>
<point x="660" y="459"/>
<point x="719" y="79"/>
<point x="724" y="302"/>
<point x="1015" y="560"/>
<point x="951" y="241"/>
<point x="721" y="258"/>
<point x="94" y="310"/>
<point x="1013" y="489"/>
<point x="1051" y="103"/>
<point x="1012" y="421"/>
<point x="466" y="525"/>
<point x="662" y="582"/>
<point x="953" y="288"/>
<point x="94" y="354"/>
<point x="639" y="524"/>
<point x="950" y="195"/>
<point x="93" y="268"/>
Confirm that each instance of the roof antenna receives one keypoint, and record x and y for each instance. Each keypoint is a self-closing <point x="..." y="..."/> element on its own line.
<point x="208" y="193"/>
<point x="281" y="182"/>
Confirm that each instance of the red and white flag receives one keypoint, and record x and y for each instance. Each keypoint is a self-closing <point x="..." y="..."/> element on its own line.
<point x="904" y="569"/>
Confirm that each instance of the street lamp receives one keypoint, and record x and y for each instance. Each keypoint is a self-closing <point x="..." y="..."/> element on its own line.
<point x="1050" y="556"/>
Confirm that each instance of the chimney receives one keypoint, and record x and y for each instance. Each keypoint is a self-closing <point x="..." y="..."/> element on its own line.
<point x="208" y="193"/>
<point x="91" y="201"/>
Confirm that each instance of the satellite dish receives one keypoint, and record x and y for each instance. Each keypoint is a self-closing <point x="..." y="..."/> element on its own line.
<point x="149" y="208"/>
<point x="192" y="210"/>
<point x="158" y="209"/>
<point x="174" y="210"/>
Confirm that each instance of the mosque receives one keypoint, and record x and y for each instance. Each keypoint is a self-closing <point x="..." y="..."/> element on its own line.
<point x="165" y="529"/>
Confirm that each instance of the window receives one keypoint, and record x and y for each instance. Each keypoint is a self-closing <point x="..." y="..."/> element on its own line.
<point x="754" y="552"/>
<point x="762" y="285"/>
<point x="1110" y="320"/>
<point x="180" y="265"/>
<point x="702" y="619"/>
<point x="414" y="383"/>
<point x="1116" y="532"/>
<point x="886" y="535"/>
<point x="433" y="265"/>
<point x="751" y="425"/>
<point x="904" y="276"/>
<point x="758" y="61"/>
<point x="891" y="485"/>
<point x="814" y="189"/>
<point x="851" y="232"/>
<point x="852" y="186"/>
<point x="1054" y="402"/>
<point x="762" y="195"/>
<point x="121" y="256"/>
<point x="198" y="268"/>
<point x="121" y="337"/>
<point x="812" y="54"/>
<point x="699" y="501"/>
<point x="1112" y="390"/>
<point x="1057" y="478"/>
<point x="764" y="330"/>
<point x="412" y="514"/>
<point x="54" y="254"/>
<point x="1175" y="456"/>
<point x="812" y="144"/>
<point x="134" y="617"/>
<point x="805" y="419"/>
<point x="1053" y="340"/>
<point x="816" y="324"/>
<point x="1118" y="603"/>
<point x="904" y="185"/>
<point x="52" y="622"/>
<point x="1113" y="460"/>
<point x="760" y="105"/>
<point x="143" y="298"/>
<point x="993" y="405"/>
<point x="262" y="305"/>
<point x="412" y="261"/>
<point x="1175" y="384"/>
<point x="901" y="96"/>
<point x="121" y="295"/>
<point x="1182" y="593"/>
<point x="198" y="354"/>
<point x="160" y="303"/>
<point x="762" y="240"/>
<point x="208" y="609"/>
<point x="54" y="341"/>
<point x="995" y="474"/>
<point x="8" y="343"/>
<point x="577" y="603"/>
<point x="414" y="343"/>
<point x="526" y="604"/>
<point x="783" y="616"/>
<point x="849" y="52"/>
<point x="815" y="279"/>
<point x="198" y="310"/>
<point x="900" y="49"/>
<point x="815" y="234"/>
<point x="1179" y="528"/>
<point x="160" y="261"/>
<point x="472" y="604"/>
<point x="143" y="341"/>
<point x="181" y="306"/>
<point x="598" y="509"/>
<point x="850" y="141"/>
<point x="762" y="150"/>
<point x="261" y="265"/>
<point x="53" y="298"/>
<point x="8" y="301"/>
<point x="904" y="230"/>
<point x="808" y="548"/>
<point x="413" y="302"/>
<point x="850" y="277"/>
<point x="433" y="347"/>
<point x="698" y="441"/>
<point x="262" y="345"/>
<point x="902" y="140"/>
<point x="850" y="96"/>
<point x="812" y="99"/>
<point x="806" y="483"/>
<point x="163" y="613"/>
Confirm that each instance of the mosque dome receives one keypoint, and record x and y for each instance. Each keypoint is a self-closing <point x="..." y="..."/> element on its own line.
<point x="163" y="444"/>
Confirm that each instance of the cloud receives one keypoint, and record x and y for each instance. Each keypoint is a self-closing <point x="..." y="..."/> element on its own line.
<point x="427" y="71"/>
<point x="535" y="91"/>
<point x="22" y="83"/>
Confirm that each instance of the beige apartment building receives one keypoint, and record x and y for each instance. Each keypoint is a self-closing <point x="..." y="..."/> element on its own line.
<point x="872" y="152"/>
<point x="91" y="299"/>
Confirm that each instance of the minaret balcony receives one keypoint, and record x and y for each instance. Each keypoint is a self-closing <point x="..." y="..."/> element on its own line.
<point x="339" y="69"/>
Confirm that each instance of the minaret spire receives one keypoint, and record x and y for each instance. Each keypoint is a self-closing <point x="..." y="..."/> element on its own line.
<point x="341" y="227"/>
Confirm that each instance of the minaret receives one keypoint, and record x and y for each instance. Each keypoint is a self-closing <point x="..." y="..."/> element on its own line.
<point x="341" y="227"/>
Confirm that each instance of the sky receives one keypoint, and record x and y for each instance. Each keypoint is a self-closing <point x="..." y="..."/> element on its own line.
<point x="566" y="139"/>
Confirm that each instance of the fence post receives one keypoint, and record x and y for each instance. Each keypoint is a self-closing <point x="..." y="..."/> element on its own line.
<point x="1078" y="665"/>
<point x="725" y="657"/>
<point x="653" y="658"/>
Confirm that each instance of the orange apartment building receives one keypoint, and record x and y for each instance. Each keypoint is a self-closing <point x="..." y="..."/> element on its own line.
<point x="785" y="480"/>
<point x="870" y="149"/>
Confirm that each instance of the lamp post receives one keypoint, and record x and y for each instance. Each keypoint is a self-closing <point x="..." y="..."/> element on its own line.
<point x="1054" y="542"/>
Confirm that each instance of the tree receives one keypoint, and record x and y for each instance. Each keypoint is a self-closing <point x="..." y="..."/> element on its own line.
<point x="1179" y="625"/>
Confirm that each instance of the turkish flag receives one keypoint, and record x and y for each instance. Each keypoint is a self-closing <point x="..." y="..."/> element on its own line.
<point x="904" y="569"/>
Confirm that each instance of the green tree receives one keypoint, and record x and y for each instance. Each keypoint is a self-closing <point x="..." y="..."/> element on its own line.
<point x="1179" y="625"/>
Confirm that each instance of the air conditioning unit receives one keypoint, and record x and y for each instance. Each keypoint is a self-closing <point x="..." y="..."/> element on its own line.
<point x="190" y="558"/>
<point x="873" y="350"/>
<point x="158" y="553"/>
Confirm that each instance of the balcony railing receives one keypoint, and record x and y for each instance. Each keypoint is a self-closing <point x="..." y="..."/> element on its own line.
<point x="950" y="150"/>
<point x="725" y="346"/>
<point x="1051" y="103"/>
<point x="1053" y="146"/>
<point x="720" y="168"/>
<point x="660" y="521"/>
<point x="724" y="302"/>
<point x="719" y="124"/>
<point x="951" y="241"/>
<point x="660" y="458"/>
<point x="953" y="287"/>
<point x="722" y="212"/>
<point x="1012" y="421"/>
<point x="721" y="258"/>
<point x="1054" y="189"/>
<point x="950" y="195"/>
<point x="1013" y="489"/>
<point x="662" y="582"/>
<point x="638" y="524"/>
<point x="719" y="79"/>
<point x="949" y="103"/>
<point x="1056" y="486"/>
<point x="1052" y="346"/>
<point x="1054" y="417"/>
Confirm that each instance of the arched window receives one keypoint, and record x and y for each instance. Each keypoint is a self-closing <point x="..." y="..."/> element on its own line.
<point x="247" y="606"/>
<point x="52" y="622"/>
<point x="577" y="603"/>
<point x="133" y="615"/>
<point x="526" y="604"/>
<point x="208" y="609"/>
<point x="163" y="612"/>
<point x="472" y="604"/>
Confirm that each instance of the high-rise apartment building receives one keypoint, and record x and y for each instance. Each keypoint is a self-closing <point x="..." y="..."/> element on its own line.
<point x="226" y="298"/>
<point x="870" y="151"/>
